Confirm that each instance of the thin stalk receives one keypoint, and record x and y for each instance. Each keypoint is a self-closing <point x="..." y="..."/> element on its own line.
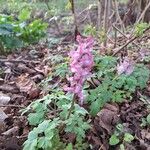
<point x="69" y="113"/>
<point x="71" y="107"/>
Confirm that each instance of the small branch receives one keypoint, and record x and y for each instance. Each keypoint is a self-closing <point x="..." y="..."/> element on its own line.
<point x="105" y="25"/>
<point x="128" y="42"/>
<point x="99" y="21"/>
<point x="118" y="15"/>
<point x="16" y="106"/>
<point x="18" y="61"/>
<point x="124" y="35"/>
<point x="143" y="13"/>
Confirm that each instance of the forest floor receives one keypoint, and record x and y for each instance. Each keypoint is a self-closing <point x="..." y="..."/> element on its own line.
<point x="21" y="75"/>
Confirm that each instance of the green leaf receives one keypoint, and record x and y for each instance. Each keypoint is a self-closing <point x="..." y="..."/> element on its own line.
<point x="41" y="142"/>
<point x="11" y="42"/>
<point x="114" y="140"/>
<point x="122" y="147"/>
<point x="80" y="110"/>
<point x="28" y="145"/>
<point x="43" y="126"/>
<point x="128" y="137"/>
<point x="69" y="147"/>
<point x="119" y="127"/>
<point x="6" y="29"/>
<point x="148" y="119"/>
<point x="95" y="108"/>
<point x="32" y="135"/>
<point x="35" y="118"/>
<point x="24" y="14"/>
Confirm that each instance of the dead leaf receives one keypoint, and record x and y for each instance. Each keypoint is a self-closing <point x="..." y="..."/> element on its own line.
<point x="145" y="134"/>
<point x="24" y="68"/>
<point x="3" y="116"/>
<point x="11" y="131"/>
<point x="43" y="69"/>
<point x="4" y="99"/>
<point x="9" y="88"/>
<point x="108" y="117"/>
<point x="27" y="85"/>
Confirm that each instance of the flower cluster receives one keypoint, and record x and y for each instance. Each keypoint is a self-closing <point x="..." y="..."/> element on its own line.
<point x="125" y="67"/>
<point x="81" y="62"/>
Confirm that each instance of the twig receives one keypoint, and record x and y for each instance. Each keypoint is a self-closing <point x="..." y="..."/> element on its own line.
<point x="128" y="42"/>
<point x="99" y="21"/>
<point x="16" y="106"/>
<point x="18" y="61"/>
<point x="115" y="38"/>
<point x="143" y="13"/>
<point x="22" y="137"/>
<point x="105" y="26"/>
<point x="118" y="15"/>
<point x="101" y="147"/>
<point x="124" y="35"/>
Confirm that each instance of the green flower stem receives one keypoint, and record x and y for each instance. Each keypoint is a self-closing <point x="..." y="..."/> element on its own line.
<point x="71" y="107"/>
<point x="68" y="116"/>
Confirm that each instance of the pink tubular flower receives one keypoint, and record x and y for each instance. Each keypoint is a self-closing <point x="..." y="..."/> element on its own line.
<point x="81" y="63"/>
<point x="125" y="67"/>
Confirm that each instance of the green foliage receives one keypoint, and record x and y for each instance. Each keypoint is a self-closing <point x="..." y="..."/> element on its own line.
<point x="17" y="33"/>
<point x="24" y="14"/>
<point x="148" y="119"/>
<point x="45" y="134"/>
<point x="145" y="121"/>
<point x="113" y="87"/>
<point x="140" y="27"/>
<point x="114" y="140"/>
<point x="90" y="30"/>
<point x="61" y="69"/>
<point x="120" y="136"/>
<point x="128" y="137"/>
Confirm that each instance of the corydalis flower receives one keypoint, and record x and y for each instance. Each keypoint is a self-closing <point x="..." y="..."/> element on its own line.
<point x="125" y="67"/>
<point x="81" y="63"/>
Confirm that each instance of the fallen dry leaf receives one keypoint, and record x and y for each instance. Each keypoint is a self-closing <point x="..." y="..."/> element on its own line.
<point x="3" y="116"/>
<point x="9" y="88"/>
<point x="27" y="85"/>
<point x="43" y="69"/>
<point x="24" y="68"/>
<point x="108" y="117"/>
<point x="145" y="134"/>
<point x="4" y="99"/>
<point x="11" y="131"/>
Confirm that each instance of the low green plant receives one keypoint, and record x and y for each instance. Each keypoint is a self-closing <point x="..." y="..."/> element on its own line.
<point x="17" y="33"/>
<point x="140" y="28"/>
<point x="114" y="87"/>
<point x="49" y="116"/>
<point x="145" y="121"/>
<point x="120" y="137"/>
<point x="90" y="30"/>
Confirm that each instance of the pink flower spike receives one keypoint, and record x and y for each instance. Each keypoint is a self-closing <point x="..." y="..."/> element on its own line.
<point x="81" y="63"/>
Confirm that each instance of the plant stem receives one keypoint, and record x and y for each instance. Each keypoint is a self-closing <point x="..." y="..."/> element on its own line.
<point x="68" y="116"/>
<point x="71" y="107"/>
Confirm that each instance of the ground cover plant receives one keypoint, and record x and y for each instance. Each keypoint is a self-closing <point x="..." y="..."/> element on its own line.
<point x="18" y="33"/>
<point x="75" y="77"/>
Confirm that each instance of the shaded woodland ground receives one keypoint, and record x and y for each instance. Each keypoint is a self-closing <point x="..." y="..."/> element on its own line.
<point x="35" y="70"/>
